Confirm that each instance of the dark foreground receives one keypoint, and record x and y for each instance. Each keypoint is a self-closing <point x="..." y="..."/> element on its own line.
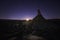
<point x="15" y="30"/>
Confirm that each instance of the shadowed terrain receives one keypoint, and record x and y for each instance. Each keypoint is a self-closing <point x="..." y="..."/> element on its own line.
<point x="36" y="29"/>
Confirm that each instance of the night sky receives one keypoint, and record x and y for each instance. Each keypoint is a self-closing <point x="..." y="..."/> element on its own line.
<point x="22" y="9"/>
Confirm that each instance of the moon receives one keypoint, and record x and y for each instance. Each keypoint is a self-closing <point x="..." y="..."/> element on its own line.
<point x="27" y="19"/>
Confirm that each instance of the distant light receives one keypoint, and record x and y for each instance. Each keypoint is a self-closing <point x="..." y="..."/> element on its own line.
<point x="27" y="19"/>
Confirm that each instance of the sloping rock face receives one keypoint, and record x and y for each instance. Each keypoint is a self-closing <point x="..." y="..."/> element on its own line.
<point x="44" y="28"/>
<point x="39" y="22"/>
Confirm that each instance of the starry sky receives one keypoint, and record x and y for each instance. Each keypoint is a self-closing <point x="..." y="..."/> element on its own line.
<point x="22" y="9"/>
